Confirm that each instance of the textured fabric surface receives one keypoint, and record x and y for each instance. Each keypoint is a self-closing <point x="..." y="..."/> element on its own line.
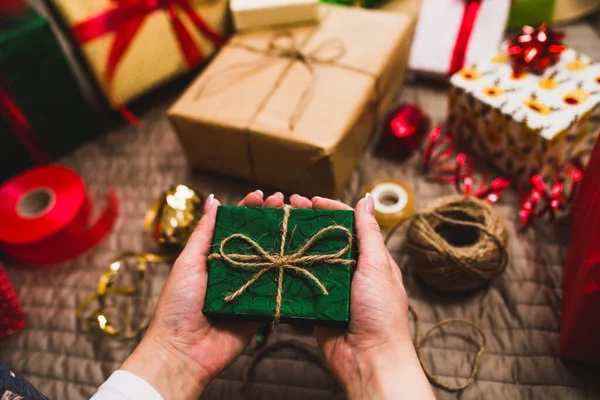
<point x="519" y="312"/>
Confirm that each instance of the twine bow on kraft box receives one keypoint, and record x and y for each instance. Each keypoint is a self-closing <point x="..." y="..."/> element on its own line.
<point x="281" y="264"/>
<point x="285" y="106"/>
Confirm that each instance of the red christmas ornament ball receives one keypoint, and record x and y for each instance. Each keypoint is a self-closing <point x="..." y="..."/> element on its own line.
<point x="403" y="130"/>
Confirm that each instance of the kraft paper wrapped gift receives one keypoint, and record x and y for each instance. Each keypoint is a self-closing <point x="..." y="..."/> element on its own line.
<point x="527" y="124"/>
<point x="236" y="117"/>
<point x="163" y="46"/>
<point x="251" y="14"/>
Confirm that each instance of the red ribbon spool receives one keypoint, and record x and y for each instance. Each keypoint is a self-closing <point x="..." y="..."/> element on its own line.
<point x="45" y="214"/>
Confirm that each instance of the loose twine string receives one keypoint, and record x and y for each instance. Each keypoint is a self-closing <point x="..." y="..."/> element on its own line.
<point x="279" y="262"/>
<point x="452" y="268"/>
<point x="493" y="231"/>
<point x="283" y="44"/>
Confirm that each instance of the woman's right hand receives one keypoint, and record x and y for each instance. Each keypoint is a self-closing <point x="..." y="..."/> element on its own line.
<point x="374" y="358"/>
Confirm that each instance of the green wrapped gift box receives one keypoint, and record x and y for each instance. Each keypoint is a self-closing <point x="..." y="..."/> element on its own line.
<point x="37" y="79"/>
<point x="315" y="269"/>
<point x="530" y="12"/>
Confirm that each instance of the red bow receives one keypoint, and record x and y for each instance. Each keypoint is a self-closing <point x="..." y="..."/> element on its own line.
<point x="19" y="125"/>
<point x="535" y="49"/>
<point x="126" y="19"/>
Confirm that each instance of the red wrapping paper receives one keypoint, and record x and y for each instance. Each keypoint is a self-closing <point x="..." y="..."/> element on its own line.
<point x="11" y="314"/>
<point x="580" y="320"/>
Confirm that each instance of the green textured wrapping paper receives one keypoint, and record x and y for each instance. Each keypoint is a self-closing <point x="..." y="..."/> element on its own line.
<point x="39" y="80"/>
<point x="302" y="299"/>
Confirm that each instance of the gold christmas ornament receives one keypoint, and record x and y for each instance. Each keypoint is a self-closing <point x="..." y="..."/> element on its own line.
<point x="174" y="215"/>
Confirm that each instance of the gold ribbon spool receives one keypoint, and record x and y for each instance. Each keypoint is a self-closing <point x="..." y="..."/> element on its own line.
<point x="99" y="321"/>
<point x="394" y="202"/>
<point x="174" y="215"/>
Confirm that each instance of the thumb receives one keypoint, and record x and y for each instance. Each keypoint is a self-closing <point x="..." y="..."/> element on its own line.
<point x="372" y="252"/>
<point x="198" y="245"/>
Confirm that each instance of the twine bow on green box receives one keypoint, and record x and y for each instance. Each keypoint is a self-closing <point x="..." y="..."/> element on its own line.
<point x="281" y="263"/>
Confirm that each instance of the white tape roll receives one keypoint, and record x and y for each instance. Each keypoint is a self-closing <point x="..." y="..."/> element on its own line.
<point x="394" y="201"/>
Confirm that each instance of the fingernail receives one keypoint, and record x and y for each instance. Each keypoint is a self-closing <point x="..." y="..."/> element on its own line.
<point x="260" y="192"/>
<point x="369" y="203"/>
<point x="209" y="200"/>
<point x="316" y="198"/>
<point x="279" y="194"/>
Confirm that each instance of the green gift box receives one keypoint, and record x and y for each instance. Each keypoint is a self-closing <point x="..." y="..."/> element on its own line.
<point x="36" y="82"/>
<point x="251" y="277"/>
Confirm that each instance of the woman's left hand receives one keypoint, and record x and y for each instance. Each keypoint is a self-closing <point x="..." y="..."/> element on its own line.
<point x="183" y="351"/>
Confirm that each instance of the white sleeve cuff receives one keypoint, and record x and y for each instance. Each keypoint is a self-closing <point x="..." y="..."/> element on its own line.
<point x="123" y="385"/>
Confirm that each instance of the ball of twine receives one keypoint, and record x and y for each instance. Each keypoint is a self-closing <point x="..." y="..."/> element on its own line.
<point x="457" y="244"/>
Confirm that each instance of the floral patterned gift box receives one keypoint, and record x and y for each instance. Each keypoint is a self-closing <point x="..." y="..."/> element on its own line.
<point x="527" y="124"/>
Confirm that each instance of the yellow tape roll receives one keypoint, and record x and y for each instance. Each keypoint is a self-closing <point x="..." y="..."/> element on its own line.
<point x="394" y="201"/>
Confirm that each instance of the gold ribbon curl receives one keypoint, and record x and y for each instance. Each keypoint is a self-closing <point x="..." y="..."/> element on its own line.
<point x="281" y="261"/>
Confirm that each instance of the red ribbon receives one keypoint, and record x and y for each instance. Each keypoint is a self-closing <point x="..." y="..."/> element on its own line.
<point x="125" y="21"/>
<point x="459" y="53"/>
<point x="438" y="161"/>
<point x="62" y="232"/>
<point x="74" y="240"/>
<point x="553" y="200"/>
<point x="19" y="125"/>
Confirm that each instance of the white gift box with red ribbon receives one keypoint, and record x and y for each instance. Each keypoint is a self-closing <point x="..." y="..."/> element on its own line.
<point x="451" y="34"/>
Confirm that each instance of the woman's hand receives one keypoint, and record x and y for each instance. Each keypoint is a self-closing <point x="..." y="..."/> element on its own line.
<point x="183" y="351"/>
<point x="374" y="358"/>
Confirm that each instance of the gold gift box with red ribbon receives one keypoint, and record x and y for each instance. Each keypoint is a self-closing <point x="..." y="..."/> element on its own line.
<point x="133" y="46"/>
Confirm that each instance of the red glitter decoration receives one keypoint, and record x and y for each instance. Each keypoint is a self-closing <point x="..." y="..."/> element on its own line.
<point x="11" y="314"/>
<point x="535" y="50"/>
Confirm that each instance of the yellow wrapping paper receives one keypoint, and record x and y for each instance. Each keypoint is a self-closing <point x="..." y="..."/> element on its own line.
<point x="154" y="55"/>
<point x="235" y="118"/>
